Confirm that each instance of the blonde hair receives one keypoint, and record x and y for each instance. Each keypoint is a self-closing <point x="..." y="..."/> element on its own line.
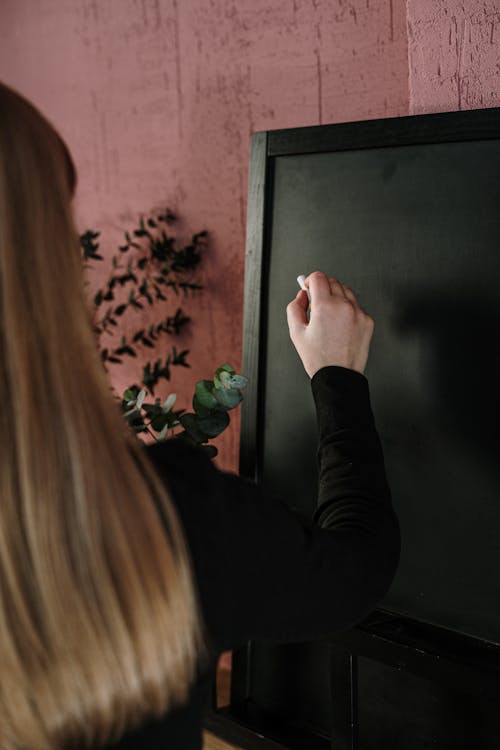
<point x="100" y="626"/>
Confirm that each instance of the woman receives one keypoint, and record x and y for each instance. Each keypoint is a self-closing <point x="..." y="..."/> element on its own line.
<point x="125" y="571"/>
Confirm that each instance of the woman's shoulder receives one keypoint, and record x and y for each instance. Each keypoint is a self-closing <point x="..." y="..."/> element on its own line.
<point x="177" y="446"/>
<point x="177" y="459"/>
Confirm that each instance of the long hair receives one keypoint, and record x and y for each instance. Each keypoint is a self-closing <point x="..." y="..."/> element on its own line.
<point x="100" y="625"/>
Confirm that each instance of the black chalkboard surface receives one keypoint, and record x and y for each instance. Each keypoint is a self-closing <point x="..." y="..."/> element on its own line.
<point x="415" y="231"/>
<point x="407" y="212"/>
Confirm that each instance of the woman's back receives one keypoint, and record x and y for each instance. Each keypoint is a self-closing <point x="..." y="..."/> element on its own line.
<point x="125" y="571"/>
<point x="264" y="573"/>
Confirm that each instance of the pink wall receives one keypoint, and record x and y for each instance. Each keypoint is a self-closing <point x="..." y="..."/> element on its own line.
<point x="158" y="100"/>
<point x="454" y="54"/>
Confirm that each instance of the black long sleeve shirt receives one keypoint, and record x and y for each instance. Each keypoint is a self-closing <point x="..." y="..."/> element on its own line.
<point x="262" y="571"/>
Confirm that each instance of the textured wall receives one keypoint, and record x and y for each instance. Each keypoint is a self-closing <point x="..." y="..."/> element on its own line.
<point x="454" y="54"/>
<point x="158" y="100"/>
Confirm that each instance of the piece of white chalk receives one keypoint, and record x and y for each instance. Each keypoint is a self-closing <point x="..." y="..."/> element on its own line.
<point x="301" y="281"/>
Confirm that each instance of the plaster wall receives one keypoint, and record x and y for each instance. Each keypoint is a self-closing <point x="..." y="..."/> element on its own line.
<point x="158" y="99"/>
<point x="453" y="54"/>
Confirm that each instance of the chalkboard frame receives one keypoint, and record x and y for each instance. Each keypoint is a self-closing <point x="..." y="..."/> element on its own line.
<point x="398" y="641"/>
<point x="447" y="127"/>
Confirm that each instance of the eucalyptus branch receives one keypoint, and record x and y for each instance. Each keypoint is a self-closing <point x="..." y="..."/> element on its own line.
<point x="159" y="268"/>
<point x="212" y="401"/>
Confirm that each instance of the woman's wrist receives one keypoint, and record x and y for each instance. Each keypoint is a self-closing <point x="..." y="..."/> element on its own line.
<point x="338" y="367"/>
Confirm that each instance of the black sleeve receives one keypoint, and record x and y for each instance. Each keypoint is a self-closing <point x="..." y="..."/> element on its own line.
<point x="266" y="573"/>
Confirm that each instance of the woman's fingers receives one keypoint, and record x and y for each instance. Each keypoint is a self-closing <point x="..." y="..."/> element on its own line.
<point x="319" y="286"/>
<point x="352" y="297"/>
<point x="336" y="333"/>
<point x="349" y="293"/>
<point x="296" y="311"/>
<point x="336" y="286"/>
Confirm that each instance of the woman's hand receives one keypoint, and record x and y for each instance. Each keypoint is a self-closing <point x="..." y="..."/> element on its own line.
<point x="338" y="332"/>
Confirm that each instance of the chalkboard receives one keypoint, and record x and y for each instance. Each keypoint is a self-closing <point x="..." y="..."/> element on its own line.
<point x="415" y="231"/>
<point x="407" y="212"/>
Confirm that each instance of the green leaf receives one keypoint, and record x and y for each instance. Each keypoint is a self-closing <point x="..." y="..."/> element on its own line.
<point x="159" y="422"/>
<point x="152" y="410"/>
<point x="131" y="411"/>
<point x="204" y="393"/>
<point x="169" y="402"/>
<point x="221" y="373"/>
<point x="232" y="381"/>
<point x="163" y="433"/>
<point x="239" y="381"/>
<point x="229" y="399"/>
<point x="214" y="424"/>
<point x="190" y="423"/>
<point x="140" y="398"/>
<point x="225" y="379"/>
<point x="199" y="408"/>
